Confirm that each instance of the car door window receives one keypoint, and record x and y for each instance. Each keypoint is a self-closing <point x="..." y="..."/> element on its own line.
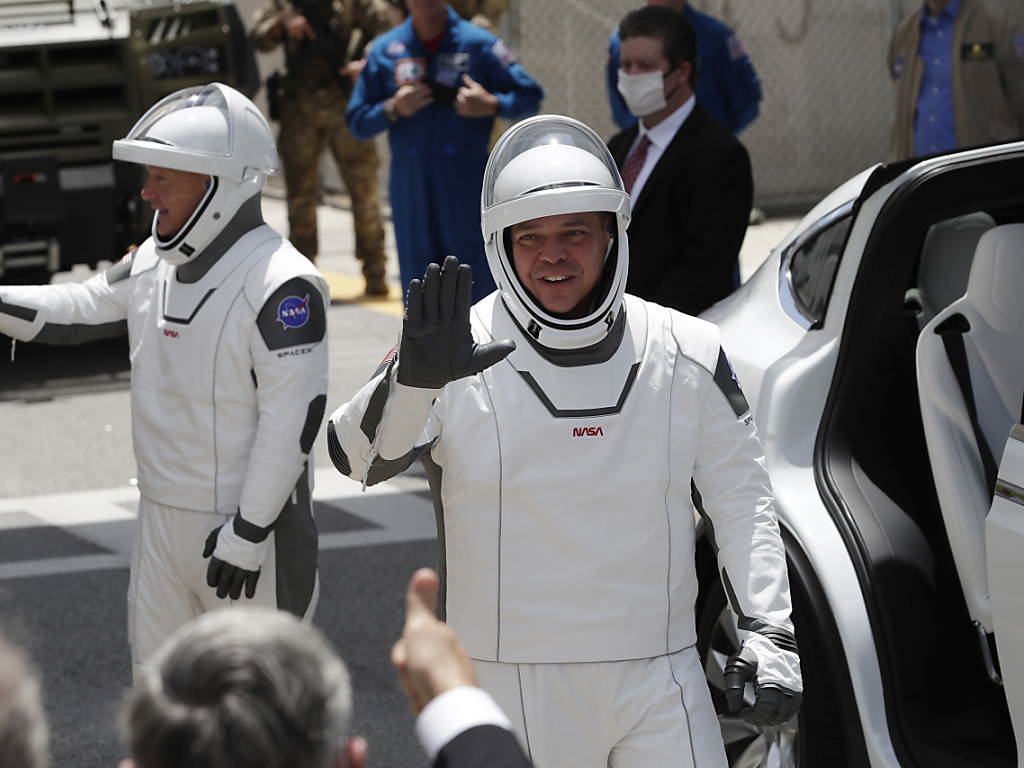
<point x="812" y="270"/>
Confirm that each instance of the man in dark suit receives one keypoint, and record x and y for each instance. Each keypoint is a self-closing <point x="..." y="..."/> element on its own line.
<point x="258" y="688"/>
<point x="689" y="178"/>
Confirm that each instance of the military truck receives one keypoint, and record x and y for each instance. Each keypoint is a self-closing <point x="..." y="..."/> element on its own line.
<point x="74" y="76"/>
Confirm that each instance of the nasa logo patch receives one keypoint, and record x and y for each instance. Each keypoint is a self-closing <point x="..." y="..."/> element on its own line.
<point x="395" y="49"/>
<point x="408" y="71"/>
<point x="293" y="312"/>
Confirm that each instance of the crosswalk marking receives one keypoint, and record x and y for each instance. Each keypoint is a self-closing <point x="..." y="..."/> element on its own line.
<point x="399" y="511"/>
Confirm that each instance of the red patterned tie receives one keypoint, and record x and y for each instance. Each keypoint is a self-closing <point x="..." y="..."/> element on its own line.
<point x="634" y="163"/>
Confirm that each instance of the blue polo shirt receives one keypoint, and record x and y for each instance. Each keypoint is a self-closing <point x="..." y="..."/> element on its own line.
<point x="934" y="129"/>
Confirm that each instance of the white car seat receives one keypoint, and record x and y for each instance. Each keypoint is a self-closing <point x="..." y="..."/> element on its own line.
<point x="946" y="262"/>
<point x="993" y="340"/>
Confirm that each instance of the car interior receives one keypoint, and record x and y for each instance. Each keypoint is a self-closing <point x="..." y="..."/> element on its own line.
<point x="915" y="547"/>
<point x="968" y="415"/>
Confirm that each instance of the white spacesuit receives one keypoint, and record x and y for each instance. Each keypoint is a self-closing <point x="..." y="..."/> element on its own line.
<point x="562" y="474"/>
<point x="226" y="325"/>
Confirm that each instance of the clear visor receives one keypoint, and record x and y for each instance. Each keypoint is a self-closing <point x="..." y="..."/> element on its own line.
<point x="535" y="143"/>
<point x="195" y="119"/>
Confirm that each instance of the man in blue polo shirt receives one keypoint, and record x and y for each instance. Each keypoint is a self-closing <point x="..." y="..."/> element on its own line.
<point x="727" y="85"/>
<point x="436" y="83"/>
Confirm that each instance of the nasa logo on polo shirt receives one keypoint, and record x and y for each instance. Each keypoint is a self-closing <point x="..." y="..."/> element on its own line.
<point x="395" y="49"/>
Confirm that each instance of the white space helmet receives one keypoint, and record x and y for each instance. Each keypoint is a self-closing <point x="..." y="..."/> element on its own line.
<point x="210" y="129"/>
<point x="545" y="166"/>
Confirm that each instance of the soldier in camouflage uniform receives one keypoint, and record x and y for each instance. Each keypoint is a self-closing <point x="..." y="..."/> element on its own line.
<point x="325" y="41"/>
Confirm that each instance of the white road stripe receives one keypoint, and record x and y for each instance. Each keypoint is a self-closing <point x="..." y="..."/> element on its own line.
<point x="107" y="518"/>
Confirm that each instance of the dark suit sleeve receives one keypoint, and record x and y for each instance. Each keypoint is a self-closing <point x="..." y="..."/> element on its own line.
<point x="711" y="227"/>
<point x="485" y="746"/>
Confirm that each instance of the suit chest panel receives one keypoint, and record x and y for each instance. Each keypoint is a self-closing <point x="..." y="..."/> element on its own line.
<point x="184" y="336"/>
<point x="552" y="450"/>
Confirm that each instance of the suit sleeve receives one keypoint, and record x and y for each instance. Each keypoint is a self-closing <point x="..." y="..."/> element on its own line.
<point x="464" y="726"/>
<point x="365" y="112"/>
<point x="731" y="476"/>
<point x="290" y="373"/>
<point x="69" y="313"/>
<point x="384" y="428"/>
<point x="519" y="95"/>
<point x="741" y="87"/>
<point x="486" y="746"/>
<point x="712" y="222"/>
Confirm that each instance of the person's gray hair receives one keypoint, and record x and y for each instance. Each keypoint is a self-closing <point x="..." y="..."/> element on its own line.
<point x="240" y="688"/>
<point x="23" y="732"/>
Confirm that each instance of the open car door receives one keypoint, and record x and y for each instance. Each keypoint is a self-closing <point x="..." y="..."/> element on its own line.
<point x="1004" y="541"/>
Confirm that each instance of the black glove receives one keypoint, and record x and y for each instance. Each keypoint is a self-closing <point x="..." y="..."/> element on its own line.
<point x="773" y="703"/>
<point x="227" y="578"/>
<point x="437" y="343"/>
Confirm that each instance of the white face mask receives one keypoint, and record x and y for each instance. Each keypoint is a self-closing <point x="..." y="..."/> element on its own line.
<point x="644" y="94"/>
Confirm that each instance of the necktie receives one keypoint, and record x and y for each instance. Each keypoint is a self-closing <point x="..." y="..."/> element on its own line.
<point x="634" y="163"/>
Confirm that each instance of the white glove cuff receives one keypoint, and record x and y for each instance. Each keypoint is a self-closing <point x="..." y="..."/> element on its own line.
<point x="775" y="665"/>
<point x="233" y="549"/>
<point x="405" y="414"/>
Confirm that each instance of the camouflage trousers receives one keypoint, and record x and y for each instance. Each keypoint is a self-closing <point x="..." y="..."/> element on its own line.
<point x="312" y="115"/>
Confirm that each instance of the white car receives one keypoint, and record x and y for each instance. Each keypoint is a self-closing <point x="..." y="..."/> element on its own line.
<point x="908" y="591"/>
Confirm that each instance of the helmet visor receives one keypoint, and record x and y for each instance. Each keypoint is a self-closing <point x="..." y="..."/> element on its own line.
<point x="545" y="166"/>
<point x="552" y="132"/>
<point x="196" y="120"/>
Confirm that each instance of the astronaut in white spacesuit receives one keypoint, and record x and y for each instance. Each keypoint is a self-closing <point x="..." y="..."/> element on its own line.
<point x="561" y="423"/>
<point x="226" y="325"/>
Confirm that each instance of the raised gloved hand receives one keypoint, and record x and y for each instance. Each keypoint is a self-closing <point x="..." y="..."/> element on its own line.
<point x="437" y="344"/>
<point x="226" y="577"/>
<point x="773" y="705"/>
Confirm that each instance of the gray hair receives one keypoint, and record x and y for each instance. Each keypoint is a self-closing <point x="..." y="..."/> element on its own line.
<point x="23" y="732"/>
<point x="240" y="688"/>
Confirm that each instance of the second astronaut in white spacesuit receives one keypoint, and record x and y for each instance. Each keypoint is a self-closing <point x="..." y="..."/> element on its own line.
<point x="226" y="326"/>
<point x="562" y="422"/>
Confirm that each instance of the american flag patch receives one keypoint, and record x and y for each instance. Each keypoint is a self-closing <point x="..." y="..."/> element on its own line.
<point x="390" y="356"/>
<point x="737" y="50"/>
<point x="1018" y="43"/>
<point x="502" y="53"/>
